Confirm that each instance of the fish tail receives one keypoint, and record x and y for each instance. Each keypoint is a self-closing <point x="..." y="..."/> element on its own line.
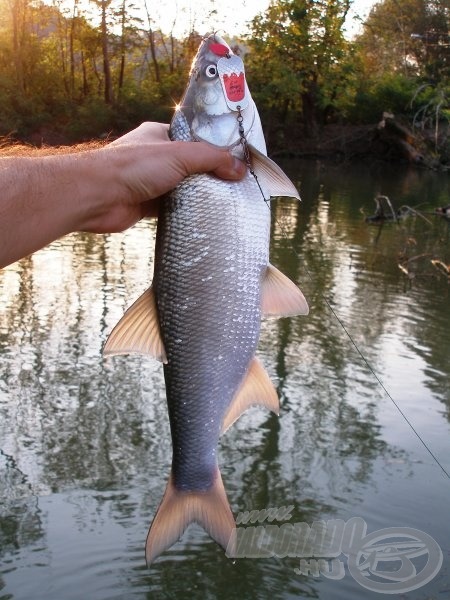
<point x="178" y="509"/>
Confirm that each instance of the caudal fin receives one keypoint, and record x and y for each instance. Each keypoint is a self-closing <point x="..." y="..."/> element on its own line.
<point x="178" y="509"/>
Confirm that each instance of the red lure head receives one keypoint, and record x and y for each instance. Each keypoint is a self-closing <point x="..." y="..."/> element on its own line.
<point x="219" y="49"/>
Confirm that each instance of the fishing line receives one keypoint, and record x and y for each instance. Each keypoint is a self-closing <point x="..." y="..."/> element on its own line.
<point x="244" y="143"/>
<point x="352" y="341"/>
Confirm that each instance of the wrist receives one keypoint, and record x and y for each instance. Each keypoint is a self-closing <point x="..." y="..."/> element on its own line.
<point x="94" y="174"/>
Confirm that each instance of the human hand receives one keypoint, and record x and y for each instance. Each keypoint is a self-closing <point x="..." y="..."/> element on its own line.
<point x="102" y="191"/>
<point x="146" y="165"/>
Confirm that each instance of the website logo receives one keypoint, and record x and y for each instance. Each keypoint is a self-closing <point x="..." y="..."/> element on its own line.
<point x="395" y="560"/>
<point x="389" y="561"/>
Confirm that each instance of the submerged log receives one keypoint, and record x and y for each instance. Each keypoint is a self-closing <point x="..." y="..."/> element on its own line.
<point x="399" y="140"/>
<point x="384" y="211"/>
<point x="443" y="211"/>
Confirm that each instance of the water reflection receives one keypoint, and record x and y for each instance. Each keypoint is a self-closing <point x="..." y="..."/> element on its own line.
<point x="84" y="442"/>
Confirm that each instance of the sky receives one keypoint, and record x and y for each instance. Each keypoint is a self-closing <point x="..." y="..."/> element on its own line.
<point x="228" y="17"/>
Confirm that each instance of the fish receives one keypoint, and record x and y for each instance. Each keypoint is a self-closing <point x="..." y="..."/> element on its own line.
<point x="212" y="284"/>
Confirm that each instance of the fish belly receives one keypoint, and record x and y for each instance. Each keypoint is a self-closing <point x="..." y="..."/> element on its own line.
<point x="211" y="255"/>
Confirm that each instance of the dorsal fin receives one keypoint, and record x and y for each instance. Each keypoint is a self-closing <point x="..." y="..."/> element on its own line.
<point x="138" y="331"/>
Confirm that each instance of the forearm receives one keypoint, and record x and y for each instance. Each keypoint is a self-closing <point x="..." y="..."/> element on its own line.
<point x="102" y="191"/>
<point x="45" y="197"/>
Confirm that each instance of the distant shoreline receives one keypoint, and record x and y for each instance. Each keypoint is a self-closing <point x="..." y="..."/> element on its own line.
<point x="391" y="141"/>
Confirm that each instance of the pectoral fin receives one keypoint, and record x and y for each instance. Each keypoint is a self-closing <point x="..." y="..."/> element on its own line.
<point x="280" y="296"/>
<point x="138" y="331"/>
<point x="272" y="179"/>
<point x="256" y="389"/>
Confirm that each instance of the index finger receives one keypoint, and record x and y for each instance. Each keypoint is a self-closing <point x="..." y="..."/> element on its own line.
<point x="148" y="132"/>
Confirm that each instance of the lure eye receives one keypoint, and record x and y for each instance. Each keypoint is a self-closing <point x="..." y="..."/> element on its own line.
<point x="211" y="71"/>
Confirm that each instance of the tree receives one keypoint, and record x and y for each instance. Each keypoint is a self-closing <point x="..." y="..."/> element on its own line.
<point x="104" y="5"/>
<point x="297" y="49"/>
<point x="30" y="59"/>
<point x="411" y="37"/>
<point x="128" y="39"/>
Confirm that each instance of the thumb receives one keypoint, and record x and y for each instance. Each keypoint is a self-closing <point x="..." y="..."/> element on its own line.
<point x="200" y="157"/>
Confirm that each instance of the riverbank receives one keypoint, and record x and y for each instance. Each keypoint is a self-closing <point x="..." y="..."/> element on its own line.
<point x="390" y="140"/>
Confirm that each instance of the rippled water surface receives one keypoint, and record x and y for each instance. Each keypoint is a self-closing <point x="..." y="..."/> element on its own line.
<point x="84" y="442"/>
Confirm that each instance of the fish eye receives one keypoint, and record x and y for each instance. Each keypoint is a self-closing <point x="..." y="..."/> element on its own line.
<point x="211" y="71"/>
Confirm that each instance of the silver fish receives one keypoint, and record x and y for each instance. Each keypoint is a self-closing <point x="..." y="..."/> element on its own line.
<point x="213" y="282"/>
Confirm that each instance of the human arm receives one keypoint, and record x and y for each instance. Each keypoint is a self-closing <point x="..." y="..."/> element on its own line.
<point x="104" y="190"/>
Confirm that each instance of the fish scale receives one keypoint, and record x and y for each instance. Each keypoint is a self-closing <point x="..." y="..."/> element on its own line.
<point x="209" y="310"/>
<point x="212" y="284"/>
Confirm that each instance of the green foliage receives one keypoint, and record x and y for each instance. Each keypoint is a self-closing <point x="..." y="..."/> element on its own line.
<point x="389" y="93"/>
<point x="297" y="53"/>
<point x="93" y="119"/>
<point x="432" y="110"/>
<point x="56" y="66"/>
<point x="404" y="61"/>
<point x="410" y="37"/>
<point x="61" y="72"/>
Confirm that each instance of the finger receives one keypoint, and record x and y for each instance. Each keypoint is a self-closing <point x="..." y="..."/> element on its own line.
<point x="148" y="132"/>
<point x="151" y="131"/>
<point x="234" y="172"/>
<point x="150" y="208"/>
<point x="200" y="157"/>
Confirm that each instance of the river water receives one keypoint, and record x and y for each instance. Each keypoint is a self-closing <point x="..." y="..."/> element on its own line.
<point x="84" y="442"/>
